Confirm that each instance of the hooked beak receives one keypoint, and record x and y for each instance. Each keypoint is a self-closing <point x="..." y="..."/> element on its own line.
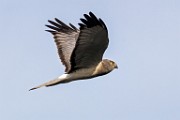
<point x="116" y="67"/>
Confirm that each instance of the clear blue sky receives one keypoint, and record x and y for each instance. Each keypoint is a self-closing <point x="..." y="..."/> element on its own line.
<point x="144" y="41"/>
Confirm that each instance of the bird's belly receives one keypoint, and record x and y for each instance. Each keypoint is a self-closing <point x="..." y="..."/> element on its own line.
<point x="81" y="74"/>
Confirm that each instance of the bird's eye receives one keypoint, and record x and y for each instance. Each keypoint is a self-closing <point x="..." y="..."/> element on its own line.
<point x="111" y="62"/>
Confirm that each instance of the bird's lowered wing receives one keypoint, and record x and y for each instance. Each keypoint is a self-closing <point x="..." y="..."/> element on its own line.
<point x="65" y="37"/>
<point x="91" y="44"/>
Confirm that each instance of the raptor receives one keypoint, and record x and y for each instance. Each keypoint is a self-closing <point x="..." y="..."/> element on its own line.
<point x="81" y="50"/>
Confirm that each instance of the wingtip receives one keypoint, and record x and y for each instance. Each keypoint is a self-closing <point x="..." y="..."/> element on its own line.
<point x="56" y="19"/>
<point x="49" y="21"/>
<point x="90" y="12"/>
<point x="51" y="31"/>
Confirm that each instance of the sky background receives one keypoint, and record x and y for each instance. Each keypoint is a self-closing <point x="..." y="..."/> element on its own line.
<point x="144" y="41"/>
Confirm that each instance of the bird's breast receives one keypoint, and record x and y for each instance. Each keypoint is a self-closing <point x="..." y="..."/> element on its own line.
<point x="86" y="73"/>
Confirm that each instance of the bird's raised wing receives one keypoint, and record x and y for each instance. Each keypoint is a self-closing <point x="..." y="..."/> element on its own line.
<point x="65" y="37"/>
<point x="91" y="44"/>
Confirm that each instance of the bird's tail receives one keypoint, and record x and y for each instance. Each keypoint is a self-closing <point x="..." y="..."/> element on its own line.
<point x="55" y="81"/>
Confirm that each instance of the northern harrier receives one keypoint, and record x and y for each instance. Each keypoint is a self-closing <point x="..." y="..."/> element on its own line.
<point x="81" y="50"/>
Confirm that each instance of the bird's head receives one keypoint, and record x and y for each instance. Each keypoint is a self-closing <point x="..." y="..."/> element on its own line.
<point x="113" y="64"/>
<point x="109" y="64"/>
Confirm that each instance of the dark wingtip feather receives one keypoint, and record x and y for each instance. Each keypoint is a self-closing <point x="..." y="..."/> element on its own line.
<point x="90" y="21"/>
<point x="102" y="22"/>
<point x="92" y="14"/>
<point x="59" y="26"/>
<point x="61" y="23"/>
<point x="55" y="24"/>
<point x="84" y="21"/>
<point x="51" y="31"/>
<point x="81" y="25"/>
<point x="53" y="27"/>
<point x="73" y="26"/>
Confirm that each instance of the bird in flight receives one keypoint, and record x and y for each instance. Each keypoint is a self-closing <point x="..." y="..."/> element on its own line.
<point x="81" y="50"/>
